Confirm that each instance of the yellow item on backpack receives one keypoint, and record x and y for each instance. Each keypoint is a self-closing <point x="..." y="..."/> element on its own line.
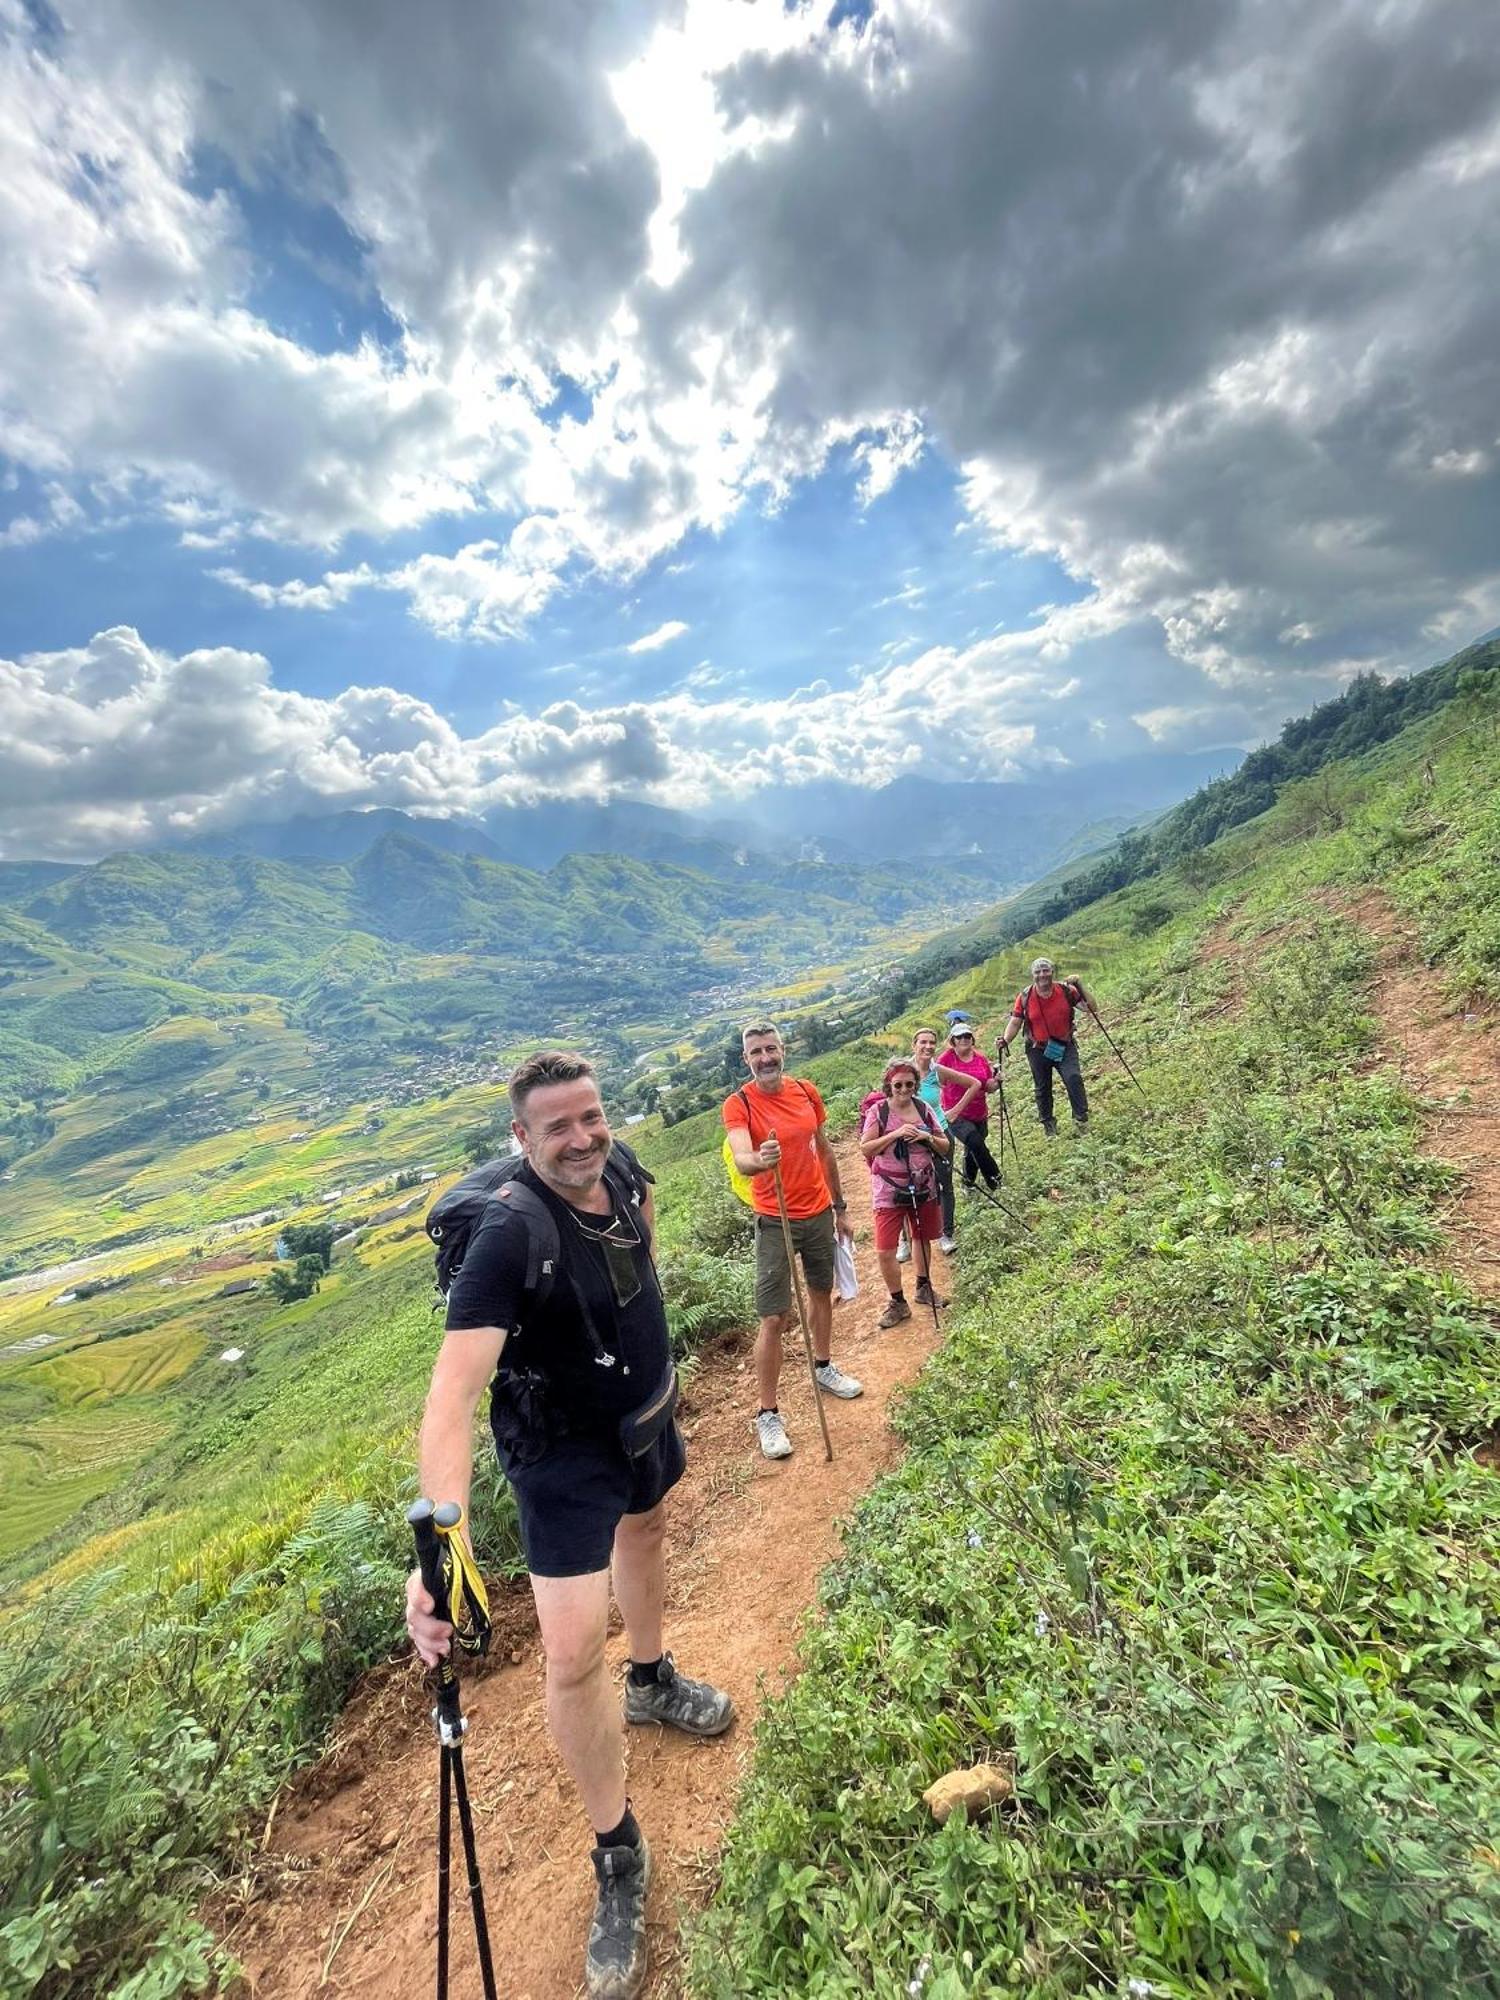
<point x="737" y="1180"/>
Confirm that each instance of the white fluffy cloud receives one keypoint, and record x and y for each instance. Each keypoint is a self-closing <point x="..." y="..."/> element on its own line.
<point x="1200" y="299"/>
<point x="115" y="744"/>
<point x="652" y="642"/>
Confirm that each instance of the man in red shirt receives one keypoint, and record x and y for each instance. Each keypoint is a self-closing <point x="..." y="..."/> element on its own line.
<point x="778" y="1120"/>
<point x="1044" y="1012"/>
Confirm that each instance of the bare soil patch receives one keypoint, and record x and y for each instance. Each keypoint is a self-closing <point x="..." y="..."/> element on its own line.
<point x="342" y="1899"/>
<point x="1449" y="1058"/>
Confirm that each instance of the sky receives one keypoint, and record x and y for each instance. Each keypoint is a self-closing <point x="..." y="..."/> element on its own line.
<point x="462" y="405"/>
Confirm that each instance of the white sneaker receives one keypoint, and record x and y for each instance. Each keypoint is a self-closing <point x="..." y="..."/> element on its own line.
<point x="834" y="1382"/>
<point x="947" y="1245"/>
<point x="903" y="1252"/>
<point x="771" y="1431"/>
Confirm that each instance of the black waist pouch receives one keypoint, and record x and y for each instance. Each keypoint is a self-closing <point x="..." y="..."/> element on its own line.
<point x="640" y="1428"/>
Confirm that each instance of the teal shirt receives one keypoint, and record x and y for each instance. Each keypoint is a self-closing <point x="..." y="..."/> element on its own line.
<point x="929" y="1091"/>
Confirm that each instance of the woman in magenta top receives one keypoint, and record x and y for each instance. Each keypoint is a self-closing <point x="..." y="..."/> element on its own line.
<point x="967" y="1078"/>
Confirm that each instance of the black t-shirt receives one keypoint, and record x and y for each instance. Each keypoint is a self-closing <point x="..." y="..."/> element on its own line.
<point x="554" y="1342"/>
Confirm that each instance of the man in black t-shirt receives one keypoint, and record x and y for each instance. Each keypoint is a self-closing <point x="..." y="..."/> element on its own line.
<point x="581" y="1392"/>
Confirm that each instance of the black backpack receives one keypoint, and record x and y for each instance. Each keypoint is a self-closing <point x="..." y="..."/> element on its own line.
<point x="454" y="1216"/>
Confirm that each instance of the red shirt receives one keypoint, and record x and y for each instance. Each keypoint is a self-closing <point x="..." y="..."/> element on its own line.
<point x="1050" y="1019"/>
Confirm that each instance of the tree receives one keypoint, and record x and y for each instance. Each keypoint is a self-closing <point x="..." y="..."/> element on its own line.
<point x="296" y="1281"/>
<point x="309" y="1239"/>
<point x="485" y="1142"/>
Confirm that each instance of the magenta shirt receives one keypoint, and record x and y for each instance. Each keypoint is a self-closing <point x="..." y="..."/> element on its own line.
<point x="974" y="1065"/>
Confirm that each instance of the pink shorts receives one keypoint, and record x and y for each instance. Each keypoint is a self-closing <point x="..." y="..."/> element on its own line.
<point x="927" y="1221"/>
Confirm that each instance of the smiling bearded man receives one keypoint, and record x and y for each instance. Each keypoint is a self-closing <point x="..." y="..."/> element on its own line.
<point x="582" y="1393"/>
<point x="777" y="1121"/>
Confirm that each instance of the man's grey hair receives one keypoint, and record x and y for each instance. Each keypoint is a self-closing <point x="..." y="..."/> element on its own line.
<point x="546" y="1066"/>
<point x="1041" y="965"/>
<point x="759" y="1028"/>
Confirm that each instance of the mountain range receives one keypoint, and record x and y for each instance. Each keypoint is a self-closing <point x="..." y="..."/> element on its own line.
<point x="1007" y="833"/>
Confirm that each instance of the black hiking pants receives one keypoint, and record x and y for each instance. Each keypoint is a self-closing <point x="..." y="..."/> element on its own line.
<point x="973" y="1135"/>
<point x="1071" y="1072"/>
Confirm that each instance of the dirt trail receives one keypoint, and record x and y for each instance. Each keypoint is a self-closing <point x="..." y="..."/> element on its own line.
<point x="1450" y="1060"/>
<point x="343" y="1902"/>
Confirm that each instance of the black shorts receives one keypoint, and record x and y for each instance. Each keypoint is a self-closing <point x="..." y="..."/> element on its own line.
<point x="572" y="1498"/>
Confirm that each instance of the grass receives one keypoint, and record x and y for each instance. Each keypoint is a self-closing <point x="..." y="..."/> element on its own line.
<point x="1192" y="1530"/>
<point x="1191" y="1527"/>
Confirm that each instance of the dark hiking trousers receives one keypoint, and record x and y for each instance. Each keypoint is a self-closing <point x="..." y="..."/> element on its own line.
<point x="944" y="1164"/>
<point x="973" y="1135"/>
<point x="1042" y="1073"/>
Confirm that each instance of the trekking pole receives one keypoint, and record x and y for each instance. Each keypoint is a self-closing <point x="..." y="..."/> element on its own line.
<point x="1004" y="1207"/>
<point x="791" y="1264"/>
<point x="1007" y="1128"/>
<point x="925" y="1259"/>
<point x="1116" y="1047"/>
<point x="445" y="1562"/>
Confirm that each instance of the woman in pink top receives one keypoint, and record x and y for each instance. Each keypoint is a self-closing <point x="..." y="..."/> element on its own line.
<point x="967" y="1079"/>
<point x="900" y="1138"/>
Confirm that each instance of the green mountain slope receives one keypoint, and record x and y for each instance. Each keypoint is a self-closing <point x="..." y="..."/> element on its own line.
<point x="1193" y="1527"/>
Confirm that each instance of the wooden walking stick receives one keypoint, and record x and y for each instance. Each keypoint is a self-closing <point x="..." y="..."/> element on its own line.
<point x="791" y="1264"/>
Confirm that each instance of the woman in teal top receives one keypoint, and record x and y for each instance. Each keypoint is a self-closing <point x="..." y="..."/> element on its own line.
<point x="924" y="1052"/>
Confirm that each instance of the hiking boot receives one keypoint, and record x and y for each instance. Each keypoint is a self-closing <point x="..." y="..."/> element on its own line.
<point x="896" y="1311"/>
<point x="672" y="1699"/>
<point x="614" y="1966"/>
<point x="1050" y="1130"/>
<point x="947" y="1245"/>
<point x="926" y="1296"/>
<point x="771" y="1433"/>
<point x="903" y="1251"/>
<point x="834" y="1382"/>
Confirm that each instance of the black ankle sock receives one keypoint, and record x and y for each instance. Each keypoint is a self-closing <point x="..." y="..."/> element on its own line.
<point x="898" y="1297"/>
<point x="643" y="1672"/>
<point x="626" y="1834"/>
<point x="769" y="1410"/>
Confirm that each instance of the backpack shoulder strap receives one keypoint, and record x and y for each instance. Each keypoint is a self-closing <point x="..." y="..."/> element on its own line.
<point x="542" y="1245"/>
<point x="885" y="1114"/>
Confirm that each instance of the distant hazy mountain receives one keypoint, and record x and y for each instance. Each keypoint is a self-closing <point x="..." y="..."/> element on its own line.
<point x="342" y="836"/>
<point x="1020" y="830"/>
<point x="1007" y="833"/>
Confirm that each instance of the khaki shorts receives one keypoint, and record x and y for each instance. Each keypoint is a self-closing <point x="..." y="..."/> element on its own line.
<point x="812" y="1241"/>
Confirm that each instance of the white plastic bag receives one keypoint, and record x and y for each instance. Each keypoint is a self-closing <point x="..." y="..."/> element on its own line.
<point x="845" y="1278"/>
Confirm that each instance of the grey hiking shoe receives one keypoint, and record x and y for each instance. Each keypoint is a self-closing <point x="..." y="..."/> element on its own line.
<point x="691" y="1706"/>
<point x="834" y="1382"/>
<point x="926" y="1296"/>
<point x="614" y="1966"/>
<point x="771" y="1433"/>
<point x="896" y="1311"/>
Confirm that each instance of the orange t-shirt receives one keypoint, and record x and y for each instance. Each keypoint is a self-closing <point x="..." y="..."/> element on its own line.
<point x="794" y="1114"/>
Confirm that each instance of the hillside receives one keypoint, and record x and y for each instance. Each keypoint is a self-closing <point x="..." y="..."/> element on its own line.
<point x="1195" y="1525"/>
<point x="162" y="1004"/>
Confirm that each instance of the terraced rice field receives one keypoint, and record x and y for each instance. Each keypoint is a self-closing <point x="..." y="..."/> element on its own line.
<point x="132" y="1365"/>
<point x="52" y="1468"/>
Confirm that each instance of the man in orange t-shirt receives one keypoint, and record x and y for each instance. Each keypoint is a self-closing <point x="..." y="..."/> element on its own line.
<point x="777" y="1120"/>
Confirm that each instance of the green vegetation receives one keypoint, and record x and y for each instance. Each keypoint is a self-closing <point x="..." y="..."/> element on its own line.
<point x="1192" y="1526"/>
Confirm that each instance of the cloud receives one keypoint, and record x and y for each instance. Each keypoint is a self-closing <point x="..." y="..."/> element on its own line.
<point x="653" y="642"/>
<point x="118" y="744"/>
<point x="1200" y="300"/>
